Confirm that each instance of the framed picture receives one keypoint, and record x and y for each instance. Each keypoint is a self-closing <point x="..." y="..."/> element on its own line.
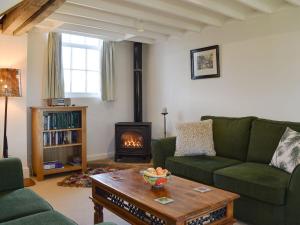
<point x="205" y="62"/>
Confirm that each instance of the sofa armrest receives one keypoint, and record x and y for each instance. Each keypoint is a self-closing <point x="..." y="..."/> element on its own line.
<point x="293" y="198"/>
<point x="11" y="174"/>
<point x="162" y="149"/>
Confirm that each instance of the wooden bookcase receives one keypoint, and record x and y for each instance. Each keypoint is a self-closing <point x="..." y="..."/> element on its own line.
<point x="58" y="134"/>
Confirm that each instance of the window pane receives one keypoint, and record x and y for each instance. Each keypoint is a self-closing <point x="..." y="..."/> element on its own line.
<point x="81" y="64"/>
<point x="65" y="37"/>
<point x="78" y="58"/>
<point x="93" y="83"/>
<point x="92" y="41"/>
<point x="66" y="56"/>
<point x="93" y="60"/>
<point x="78" y="81"/>
<point x="67" y="80"/>
<point x="76" y="39"/>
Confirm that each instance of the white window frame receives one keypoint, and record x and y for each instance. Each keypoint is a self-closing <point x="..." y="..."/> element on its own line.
<point x="85" y="47"/>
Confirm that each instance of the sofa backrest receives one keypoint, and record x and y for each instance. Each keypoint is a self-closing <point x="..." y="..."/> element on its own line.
<point x="264" y="138"/>
<point x="231" y="136"/>
<point x="11" y="174"/>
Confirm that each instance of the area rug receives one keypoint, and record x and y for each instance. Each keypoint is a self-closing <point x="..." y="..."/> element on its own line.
<point x="81" y="179"/>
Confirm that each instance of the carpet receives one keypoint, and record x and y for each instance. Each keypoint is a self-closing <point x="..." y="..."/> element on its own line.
<point x="82" y="179"/>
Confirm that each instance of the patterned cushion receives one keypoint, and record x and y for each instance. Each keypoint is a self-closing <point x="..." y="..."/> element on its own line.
<point x="195" y="139"/>
<point x="287" y="154"/>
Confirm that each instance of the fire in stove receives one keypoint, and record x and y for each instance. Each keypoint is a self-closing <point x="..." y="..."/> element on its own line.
<point x="132" y="140"/>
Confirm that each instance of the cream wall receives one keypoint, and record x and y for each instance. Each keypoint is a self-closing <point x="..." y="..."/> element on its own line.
<point x="259" y="76"/>
<point x="260" y="73"/>
<point x="14" y="54"/>
<point x="101" y="116"/>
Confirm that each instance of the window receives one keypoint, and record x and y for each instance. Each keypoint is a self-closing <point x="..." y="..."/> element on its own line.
<point x="81" y="64"/>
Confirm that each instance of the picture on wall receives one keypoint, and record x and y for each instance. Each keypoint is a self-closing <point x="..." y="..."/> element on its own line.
<point x="205" y="62"/>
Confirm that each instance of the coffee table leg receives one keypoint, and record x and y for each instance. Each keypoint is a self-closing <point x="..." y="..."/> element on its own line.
<point x="98" y="213"/>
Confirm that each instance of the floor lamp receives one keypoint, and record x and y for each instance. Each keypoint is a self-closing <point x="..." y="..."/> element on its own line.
<point x="10" y="86"/>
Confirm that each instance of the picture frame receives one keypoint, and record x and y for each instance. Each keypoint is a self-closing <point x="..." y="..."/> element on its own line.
<point x="205" y="62"/>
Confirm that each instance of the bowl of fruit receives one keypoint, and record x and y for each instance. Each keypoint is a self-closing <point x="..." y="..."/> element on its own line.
<point x="156" y="177"/>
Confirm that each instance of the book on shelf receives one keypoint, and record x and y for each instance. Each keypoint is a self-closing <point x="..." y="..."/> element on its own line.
<point x="60" y="138"/>
<point x="75" y="161"/>
<point x="53" y="165"/>
<point x="62" y="120"/>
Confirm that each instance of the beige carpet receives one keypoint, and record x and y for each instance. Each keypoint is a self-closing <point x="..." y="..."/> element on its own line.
<point x="73" y="202"/>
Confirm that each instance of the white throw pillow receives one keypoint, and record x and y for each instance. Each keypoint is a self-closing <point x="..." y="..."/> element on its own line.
<point x="287" y="154"/>
<point x="195" y="139"/>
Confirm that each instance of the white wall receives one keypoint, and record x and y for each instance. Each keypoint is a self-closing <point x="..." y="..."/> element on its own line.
<point x="13" y="53"/>
<point x="260" y="73"/>
<point x="101" y="116"/>
<point x="36" y="69"/>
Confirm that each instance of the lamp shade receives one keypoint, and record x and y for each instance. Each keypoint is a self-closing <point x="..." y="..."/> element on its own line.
<point x="10" y="82"/>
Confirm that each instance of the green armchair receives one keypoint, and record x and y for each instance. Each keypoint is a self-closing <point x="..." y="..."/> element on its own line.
<point x="11" y="174"/>
<point x="21" y="206"/>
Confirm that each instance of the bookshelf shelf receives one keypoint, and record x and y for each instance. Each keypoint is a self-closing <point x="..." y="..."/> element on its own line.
<point x="50" y="134"/>
<point x="58" y="130"/>
<point x="62" y="146"/>
<point x="67" y="168"/>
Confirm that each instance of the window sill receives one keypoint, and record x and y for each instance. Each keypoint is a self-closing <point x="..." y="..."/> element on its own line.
<point x="82" y="95"/>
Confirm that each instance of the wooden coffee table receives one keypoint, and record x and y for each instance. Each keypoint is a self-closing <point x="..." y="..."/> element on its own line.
<point x="133" y="200"/>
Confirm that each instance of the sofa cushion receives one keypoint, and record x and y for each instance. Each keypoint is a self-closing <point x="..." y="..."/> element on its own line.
<point x="258" y="181"/>
<point x="19" y="203"/>
<point x="231" y="136"/>
<point x="48" y="217"/>
<point x="287" y="154"/>
<point x="264" y="138"/>
<point x="195" y="138"/>
<point x="198" y="168"/>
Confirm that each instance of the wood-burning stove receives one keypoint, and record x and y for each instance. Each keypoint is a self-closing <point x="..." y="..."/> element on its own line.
<point x="133" y="139"/>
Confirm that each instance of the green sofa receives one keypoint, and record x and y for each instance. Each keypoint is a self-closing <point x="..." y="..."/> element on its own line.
<point x="21" y="206"/>
<point x="244" y="147"/>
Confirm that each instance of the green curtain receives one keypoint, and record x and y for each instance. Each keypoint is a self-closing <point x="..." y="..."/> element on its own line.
<point x="107" y="72"/>
<point x="54" y="86"/>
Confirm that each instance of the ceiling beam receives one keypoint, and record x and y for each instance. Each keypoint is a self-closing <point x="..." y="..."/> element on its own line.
<point x="91" y="31"/>
<point x="106" y="26"/>
<point x="294" y="2"/>
<point x="15" y="18"/>
<point x="105" y="35"/>
<point x="116" y="8"/>
<point x="72" y="9"/>
<point x="46" y="10"/>
<point x="223" y="8"/>
<point x="262" y="6"/>
<point x="199" y="16"/>
<point x="49" y="25"/>
<point x="28" y="14"/>
<point x="142" y="40"/>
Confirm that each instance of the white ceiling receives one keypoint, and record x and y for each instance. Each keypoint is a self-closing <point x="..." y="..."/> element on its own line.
<point x="7" y="4"/>
<point x="151" y="21"/>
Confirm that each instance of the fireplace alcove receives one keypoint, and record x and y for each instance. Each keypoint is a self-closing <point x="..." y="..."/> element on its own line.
<point x="133" y="139"/>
